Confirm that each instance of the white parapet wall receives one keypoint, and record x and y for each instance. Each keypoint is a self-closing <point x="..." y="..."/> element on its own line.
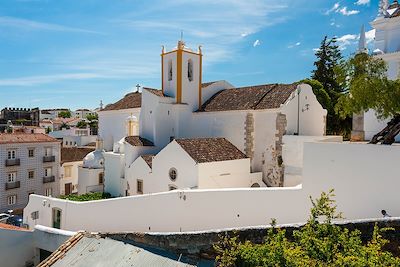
<point x="365" y="179"/>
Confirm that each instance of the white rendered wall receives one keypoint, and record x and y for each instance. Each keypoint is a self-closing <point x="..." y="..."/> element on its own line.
<point x="292" y="155"/>
<point x="114" y="181"/>
<point x="89" y="180"/>
<point x="311" y="114"/>
<point x="364" y="178"/>
<point x="112" y="125"/>
<point x="72" y="179"/>
<point x="140" y="170"/>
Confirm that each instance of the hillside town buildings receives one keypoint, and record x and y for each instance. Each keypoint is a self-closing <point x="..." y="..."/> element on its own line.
<point x="29" y="165"/>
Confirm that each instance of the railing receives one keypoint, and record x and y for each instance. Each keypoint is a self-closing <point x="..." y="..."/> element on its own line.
<point x="49" y="158"/>
<point x="12" y="185"/>
<point x="12" y="162"/>
<point x="48" y="179"/>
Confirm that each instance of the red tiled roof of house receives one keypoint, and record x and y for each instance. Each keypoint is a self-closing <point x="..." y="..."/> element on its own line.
<point x="12" y="227"/>
<point x="71" y="154"/>
<point x="131" y="100"/>
<point x="6" y="138"/>
<point x="268" y="96"/>
<point x="138" y="141"/>
<point x="210" y="149"/>
<point x="148" y="159"/>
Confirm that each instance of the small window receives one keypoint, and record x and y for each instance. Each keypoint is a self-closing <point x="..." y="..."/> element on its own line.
<point x="170" y="70"/>
<point x="35" y="215"/>
<point x="47" y="151"/>
<point x="68" y="171"/>
<point x="31" y="152"/>
<point x="12" y="177"/>
<point x="12" y="200"/>
<point x="31" y="174"/>
<point x="139" y="186"/>
<point x="255" y="185"/>
<point x="173" y="174"/>
<point x="47" y="172"/>
<point x="11" y="154"/>
<point x="190" y="70"/>
<point x="48" y="192"/>
<point x="101" y="178"/>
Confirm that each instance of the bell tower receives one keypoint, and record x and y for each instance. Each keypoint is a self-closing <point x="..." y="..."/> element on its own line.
<point x="181" y="75"/>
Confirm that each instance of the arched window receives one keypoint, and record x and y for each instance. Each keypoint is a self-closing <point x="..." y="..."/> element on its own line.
<point x="190" y="70"/>
<point x="170" y="70"/>
<point x="172" y="187"/>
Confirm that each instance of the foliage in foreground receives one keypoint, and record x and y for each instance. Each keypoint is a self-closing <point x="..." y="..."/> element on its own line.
<point x="87" y="196"/>
<point x="318" y="243"/>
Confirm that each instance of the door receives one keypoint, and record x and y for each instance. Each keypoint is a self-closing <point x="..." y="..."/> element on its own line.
<point x="68" y="189"/>
<point x="56" y="218"/>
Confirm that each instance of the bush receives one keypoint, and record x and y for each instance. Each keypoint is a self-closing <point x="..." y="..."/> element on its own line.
<point x="318" y="243"/>
<point x="88" y="196"/>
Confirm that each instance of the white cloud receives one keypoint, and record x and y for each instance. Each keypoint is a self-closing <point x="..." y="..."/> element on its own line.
<point x="34" y="25"/>
<point x="346" y="12"/>
<point x="346" y="40"/>
<point x="334" y="8"/>
<point x="256" y="43"/>
<point x="362" y="2"/>
<point x="294" y="45"/>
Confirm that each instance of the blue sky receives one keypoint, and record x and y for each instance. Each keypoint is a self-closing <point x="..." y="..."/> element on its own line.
<point x="71" y="53"/>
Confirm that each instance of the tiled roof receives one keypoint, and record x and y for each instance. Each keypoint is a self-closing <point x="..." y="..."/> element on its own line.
<point x="131" y="100"/>
<point x="207" y="84"/>
<point x="149" y="159"/>
<point x="156" y="92"/>
<point x="71" y="154"/>
<point x="12" y="227"/>
<point x="6" y="138"/>
<point x="138" y="141"/>
<point x="266" y="96"/>
<point x="91" y="144"/>
<point x="210" y="149"/>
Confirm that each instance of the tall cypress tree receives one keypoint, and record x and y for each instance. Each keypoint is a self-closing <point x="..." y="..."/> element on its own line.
<point x="329" y="58"/>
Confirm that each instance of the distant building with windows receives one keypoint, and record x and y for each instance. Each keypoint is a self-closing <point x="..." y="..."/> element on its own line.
<point x="18" y="116"/>
<point x="29" y="164"/>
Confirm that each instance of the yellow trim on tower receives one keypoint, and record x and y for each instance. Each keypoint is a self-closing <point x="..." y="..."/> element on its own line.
<point x="179" y="73"/>
<point x="200" y="76"/>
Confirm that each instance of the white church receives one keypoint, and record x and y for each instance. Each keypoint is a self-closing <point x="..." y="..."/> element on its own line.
<point x="199" y="135"/>
<point x="386" y="47"/>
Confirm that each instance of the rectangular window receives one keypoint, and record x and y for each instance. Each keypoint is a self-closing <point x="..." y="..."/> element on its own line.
<point x="35" y="215"/>
<point x="47" y="172"/>
<point x="11" y="154"/>
<point x="12" y="177"/>
<point x="31" y="152"/>
<point x="68" y="171"/>
<point x="12" y="200"/>
<point x="139" y="186"/>
<point x="47" y="152"/>
<point x="31" y="174"/>
<point x="48" y="192"/>
<point x="101" y="178"/>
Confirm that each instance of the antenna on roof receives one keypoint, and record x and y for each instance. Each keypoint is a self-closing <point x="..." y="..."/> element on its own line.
<point x="181" y="35"/>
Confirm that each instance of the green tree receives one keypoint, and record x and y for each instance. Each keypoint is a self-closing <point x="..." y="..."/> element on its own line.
<point x="64" y="114"/>
<point x="367" y="87"/>
<point x="329" y="58"/>
<point x="318" y="243"/>
<point x="82" y="124"/>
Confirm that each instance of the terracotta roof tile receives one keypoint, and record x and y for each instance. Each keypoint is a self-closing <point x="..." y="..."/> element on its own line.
<point x="148" y="159"/>
<point x="131" y="100"/>
<point x="12" y="227"/>
<point x="156" y="92"/>
<point x="207" y="84"/>
<point x="210" y="149"/>
<point x="6" y="138"/>
<point x="71" y="154"/>
<point x="138" y="141"/>
<point x="266" y="96"/>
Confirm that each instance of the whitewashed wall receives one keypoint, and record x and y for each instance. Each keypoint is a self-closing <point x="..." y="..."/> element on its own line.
<point x="89" y="180"/>
<point x="310" y="112"/>
<point x="114" y="181"/>
<point x="365" y="179"/>
<point x="72" y="179"/>
<point x="112" y="125"/>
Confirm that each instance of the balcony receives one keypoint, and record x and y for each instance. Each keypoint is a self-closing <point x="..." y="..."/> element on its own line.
<point x="13" y="185"/>
<point x="12" y="162"/>
<point x="48" y="179"/>
<point x="49" y="158"/>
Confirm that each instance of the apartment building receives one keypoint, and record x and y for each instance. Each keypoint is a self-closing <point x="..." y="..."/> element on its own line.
<point x="29" y="164"/>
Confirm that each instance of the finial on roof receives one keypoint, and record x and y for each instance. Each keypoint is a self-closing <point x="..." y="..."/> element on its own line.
<point x="199" y="49"/>
<point x="162" y="49"/>
<point x="362" y="42"/>
<point x="137" y="87"/>
<point x="101" y="104"/>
